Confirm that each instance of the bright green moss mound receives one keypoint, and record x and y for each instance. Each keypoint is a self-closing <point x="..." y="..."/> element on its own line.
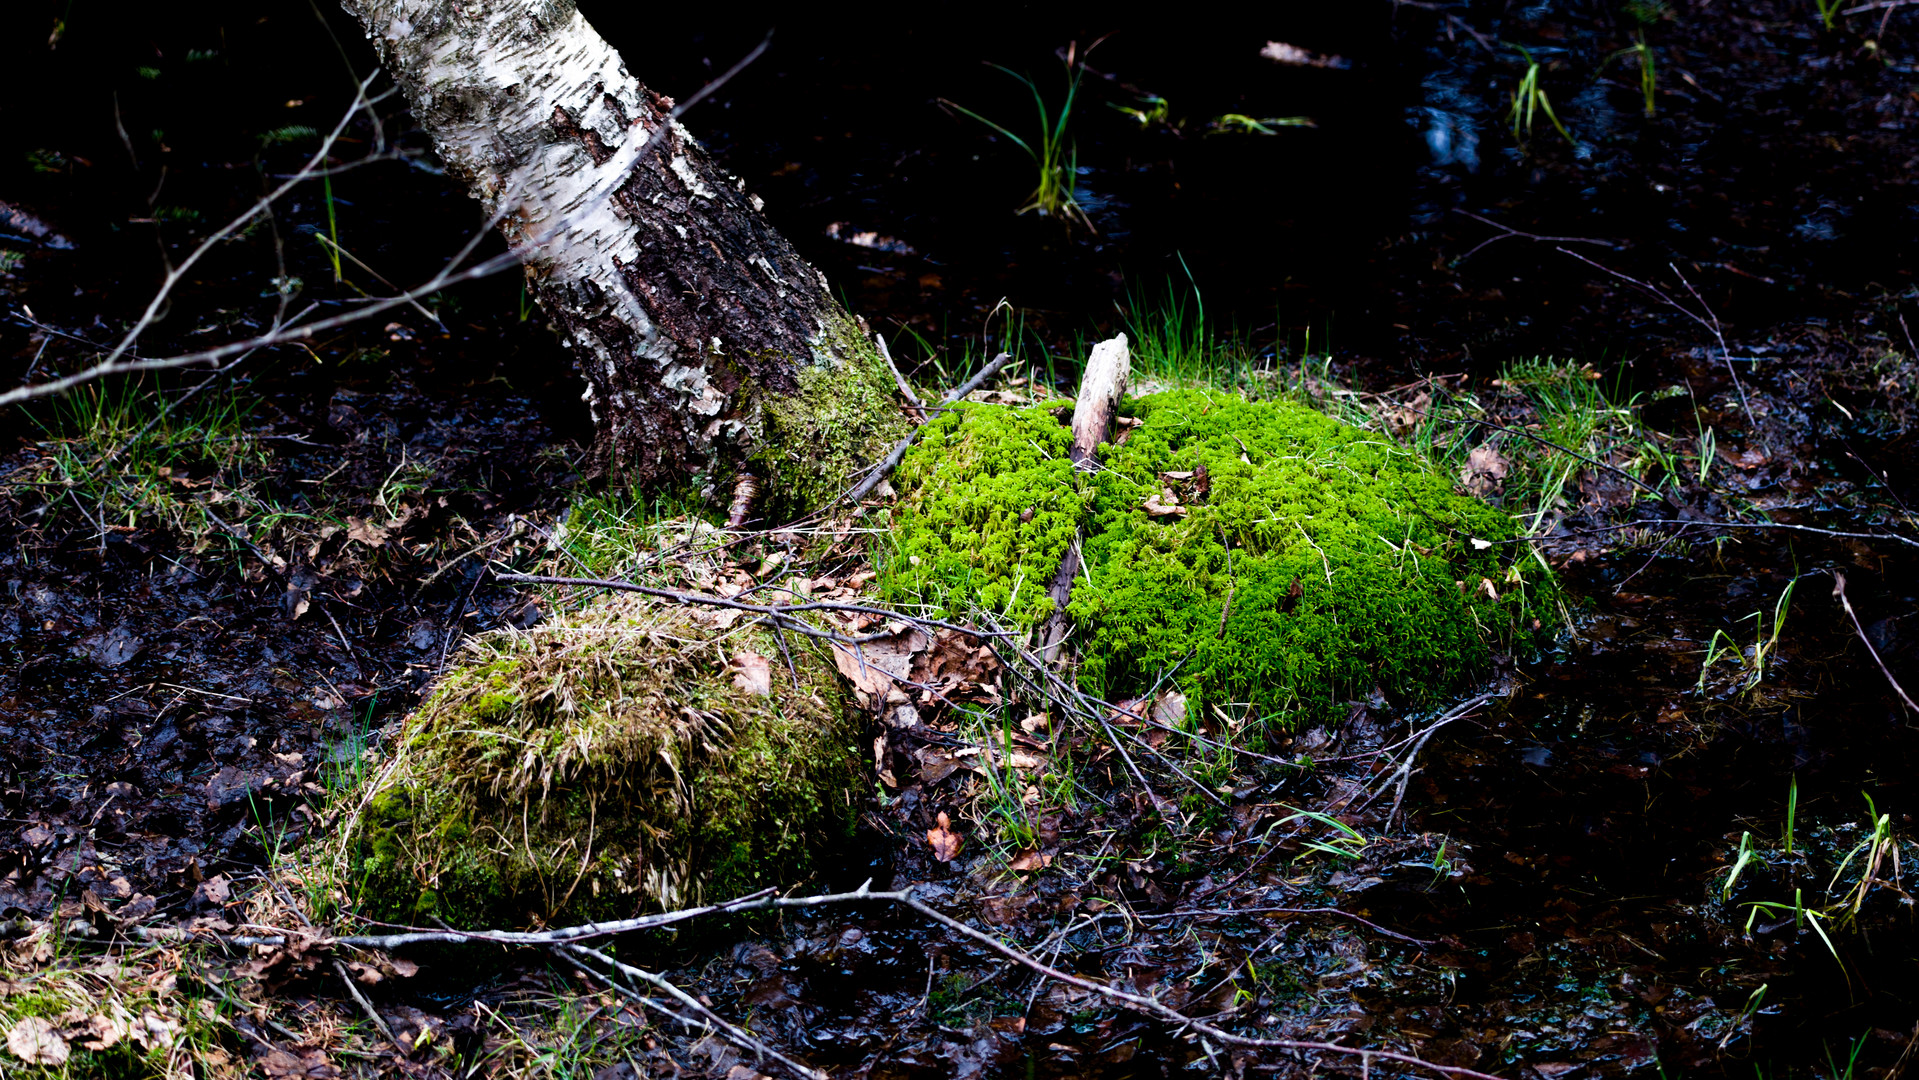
<point x="1313" y="562"/>
<point x="605" y="764"/>
<point x="1376" y="540"/>
<point x="990" y="505"/>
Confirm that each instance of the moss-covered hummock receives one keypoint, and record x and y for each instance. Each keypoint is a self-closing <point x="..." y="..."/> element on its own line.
<point x="1306" y="561"/>
<point x="604" y="764"/>
<point x="989" y="506"/>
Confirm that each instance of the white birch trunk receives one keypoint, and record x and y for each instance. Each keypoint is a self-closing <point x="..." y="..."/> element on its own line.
<point x="706" y="343"/>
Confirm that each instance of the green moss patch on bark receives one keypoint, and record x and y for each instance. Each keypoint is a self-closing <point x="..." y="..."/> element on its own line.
<point x="1307" y="561"/>
<point x="606" y="764"/>
<point x="844" y="419"/>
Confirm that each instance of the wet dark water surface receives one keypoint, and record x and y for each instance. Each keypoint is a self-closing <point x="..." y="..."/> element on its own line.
<point x="1556" y="893"/>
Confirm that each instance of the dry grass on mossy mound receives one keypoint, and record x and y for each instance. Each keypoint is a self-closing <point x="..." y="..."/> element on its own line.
<point x="631" y="757"/>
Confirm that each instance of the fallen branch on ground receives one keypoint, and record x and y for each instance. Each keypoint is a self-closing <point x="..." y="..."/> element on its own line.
<point x="564" y="941"/>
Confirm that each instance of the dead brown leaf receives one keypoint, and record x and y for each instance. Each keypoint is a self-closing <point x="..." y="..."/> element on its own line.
<point x="872" y="666"/>
<point x="1019" y="758"/>
<point x="945" y="842"/>
<point x="1291" y="599"/>
<point x="998" y="397"/>
<point x="955" y="665"/>
<point x="213" y="892"/>
<point x="1029" y="860"/>
<point x="365" y="532"/>
<point x="1401" y="419"/>
<point x="934" y="765"/>
<point x="308" y="1065"/>
<point x="752" y="673"/>
<point x="34" y="1040"/>
<point x="1157" y="507"/>
<point x="100" y="1032"/>
<point x="1279" y="52"/>
<point x="1484" y="471"/>
<point x="275" y="966"/>
<point x="154" y="1031"/>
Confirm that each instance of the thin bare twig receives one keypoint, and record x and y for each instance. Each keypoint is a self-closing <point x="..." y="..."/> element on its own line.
<point x="1709" y="321"/>
<point x="635" y="996"/>
<point x="1908" y="541"/>
<point x="1154" y="1007"/>
<point x="1839" y="590"/>
<point x="563" y="935"/>
<point x="906" y="390"/>
<point x="1548" y="443"/>
<point x="367" y="1006"/>
<point x="613" y="175"/>
<point x="1507" y="232"/>
<point x="775" y="610"/>
<point x="1228" y="912"/>
<point x="1404" y="773"/>
<point x="892" y="459"/>
<point x="1139" y="1003"/>
<point x="738" y="1035"/>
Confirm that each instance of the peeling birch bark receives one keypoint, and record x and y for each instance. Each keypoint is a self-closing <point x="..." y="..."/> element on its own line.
<point x="1108" y="371"/>
<point x="706" y="343"/>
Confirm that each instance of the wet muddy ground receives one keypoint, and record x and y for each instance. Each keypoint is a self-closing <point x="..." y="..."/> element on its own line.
<point x="1551" y="896"/>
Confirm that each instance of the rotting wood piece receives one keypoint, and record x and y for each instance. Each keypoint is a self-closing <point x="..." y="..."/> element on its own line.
<point x="1108" y="371"/>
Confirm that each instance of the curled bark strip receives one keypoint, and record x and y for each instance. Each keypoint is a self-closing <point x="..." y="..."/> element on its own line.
<point x="746" y="491"/>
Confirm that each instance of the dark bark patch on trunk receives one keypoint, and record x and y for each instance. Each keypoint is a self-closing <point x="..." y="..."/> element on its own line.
<point x="565" y="126"/>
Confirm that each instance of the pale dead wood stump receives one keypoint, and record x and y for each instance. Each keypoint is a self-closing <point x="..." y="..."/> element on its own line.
<point x="1100" y="391"/>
